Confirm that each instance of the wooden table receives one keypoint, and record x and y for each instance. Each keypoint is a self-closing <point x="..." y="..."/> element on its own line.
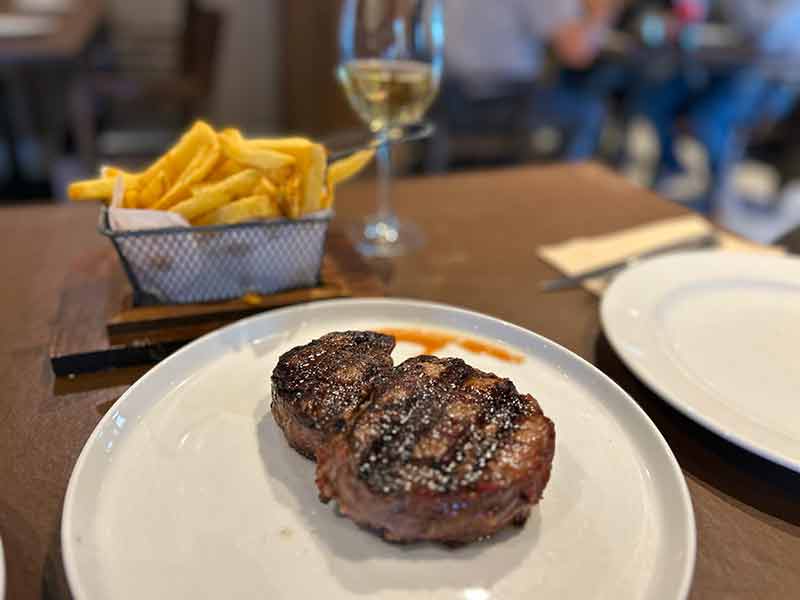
<point x="482" y="232"/>
<point x="71" y="35"/>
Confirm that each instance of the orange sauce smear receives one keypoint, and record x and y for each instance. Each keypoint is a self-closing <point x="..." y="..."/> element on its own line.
<point x="433" y="341"/>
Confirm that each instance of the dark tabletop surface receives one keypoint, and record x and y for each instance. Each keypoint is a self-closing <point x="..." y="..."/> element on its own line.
<point x="483" y="229"/>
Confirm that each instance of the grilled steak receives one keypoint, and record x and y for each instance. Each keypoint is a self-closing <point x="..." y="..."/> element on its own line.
<point x="441" y="452"/>
<point x="316" y="387"/>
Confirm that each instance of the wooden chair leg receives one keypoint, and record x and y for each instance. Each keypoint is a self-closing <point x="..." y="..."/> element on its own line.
<point x="437" y="156"/>
<point x="82" y="119"/>
<point x="52" y="89"/>
<point x="21" y="126"/>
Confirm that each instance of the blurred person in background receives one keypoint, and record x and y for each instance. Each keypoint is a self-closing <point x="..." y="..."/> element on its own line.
<point x="731" y="99"/>
<point x="496" y="51"/>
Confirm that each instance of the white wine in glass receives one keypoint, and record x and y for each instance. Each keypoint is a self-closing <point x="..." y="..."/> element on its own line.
<point x="390" y="69"/>
<point x="389" y="94"/>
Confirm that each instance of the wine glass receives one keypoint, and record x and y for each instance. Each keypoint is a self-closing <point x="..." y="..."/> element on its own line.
<point x="391" y="58"/>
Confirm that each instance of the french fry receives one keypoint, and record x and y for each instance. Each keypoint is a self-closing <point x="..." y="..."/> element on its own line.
<point x="349" y="167"/>
<point x="250" y="155"/>
<point x="208" y="198"/>
<point x="131" y="199"/>
<point x="291" y="146"/>
<point x="232" y="133"/>
<point x="114" y="172"/>
<point x="130" y="183"/>
<point x="91" y="189"/>
<point x="261" y="206"/>
<point x="265" y="186"/>
<point x="290" y="199"/>
<point x="174" y="162"/>
<point x="224" y="169"/>
<point x="342" y="170"/>
<point x="314" y="180"/>
<point x="151" y="190"/>
<point x="280" y="176"/>
<point x="211" y="177"/>
<point x="196" y="171"/>
<point x="103" y="188"/>
<point x="310" y="166"/>
<point x="152" y="181"/>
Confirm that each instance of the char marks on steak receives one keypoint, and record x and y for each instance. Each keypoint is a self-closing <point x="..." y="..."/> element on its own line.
<point x="316" y="387"/>
<point x="441" y="452"/>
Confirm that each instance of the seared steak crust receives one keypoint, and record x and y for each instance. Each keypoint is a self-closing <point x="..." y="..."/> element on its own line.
<point x="441" y="452"/>
<point x="316" y="387"/>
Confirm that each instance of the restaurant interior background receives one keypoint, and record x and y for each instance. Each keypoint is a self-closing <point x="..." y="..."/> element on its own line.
<point x="700" y="350"/>
<point x="147" y="68"/>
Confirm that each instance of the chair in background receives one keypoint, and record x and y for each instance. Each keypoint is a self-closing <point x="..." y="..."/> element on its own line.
<point x="515" y="122"/>
<point x="143" y="88"/>
<point x="489" y="130"/>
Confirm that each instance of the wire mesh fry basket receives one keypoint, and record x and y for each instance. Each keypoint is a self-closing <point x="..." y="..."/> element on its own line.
<point x="180" y="265"/>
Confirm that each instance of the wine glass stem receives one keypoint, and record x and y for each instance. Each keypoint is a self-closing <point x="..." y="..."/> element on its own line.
<point x="385" y="212"/>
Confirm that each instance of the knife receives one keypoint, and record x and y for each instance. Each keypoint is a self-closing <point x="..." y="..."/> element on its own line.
<point x="696" y="243"/>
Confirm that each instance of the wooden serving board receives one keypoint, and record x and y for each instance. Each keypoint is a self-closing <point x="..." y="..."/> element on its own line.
<point x="100" y="336"/>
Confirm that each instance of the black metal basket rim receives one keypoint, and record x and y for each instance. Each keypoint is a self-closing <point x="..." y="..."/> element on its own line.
<point x="104" y="227"/>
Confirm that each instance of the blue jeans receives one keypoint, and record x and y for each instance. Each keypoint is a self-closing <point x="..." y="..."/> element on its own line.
<point x="717" y="112"/>
<point x="576" y="111"/>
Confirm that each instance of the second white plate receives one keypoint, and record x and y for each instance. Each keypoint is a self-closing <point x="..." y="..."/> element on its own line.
<point x="187" y="489"/>
<point x="717" y="335"/>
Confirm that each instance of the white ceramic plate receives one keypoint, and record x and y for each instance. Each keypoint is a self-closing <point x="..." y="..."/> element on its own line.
<point x="187" y="488"/>
<point x="717" y="335"/>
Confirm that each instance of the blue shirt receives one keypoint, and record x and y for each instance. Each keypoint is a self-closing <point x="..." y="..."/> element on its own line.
<point x="490" y="41"/>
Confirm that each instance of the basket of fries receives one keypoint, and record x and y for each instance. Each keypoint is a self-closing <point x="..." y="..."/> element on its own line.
<point x="220" y="216"/>
<point x="179" y="265"/>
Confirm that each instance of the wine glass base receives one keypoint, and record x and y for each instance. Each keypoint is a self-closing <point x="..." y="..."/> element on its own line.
<point x="385" y="239"/>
